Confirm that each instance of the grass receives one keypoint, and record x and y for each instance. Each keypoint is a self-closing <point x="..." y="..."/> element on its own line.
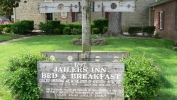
<point x="157" y="49"/>
<point x="4" y="37"/>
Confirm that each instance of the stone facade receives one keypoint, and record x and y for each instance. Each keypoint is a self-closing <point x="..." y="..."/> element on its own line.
<point x="30" y="11"/>
<point x="169" y="19"/>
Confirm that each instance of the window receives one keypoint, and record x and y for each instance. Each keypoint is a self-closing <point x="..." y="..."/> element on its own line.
<point x="49" y="16"/>
<point x="161" y="20"/>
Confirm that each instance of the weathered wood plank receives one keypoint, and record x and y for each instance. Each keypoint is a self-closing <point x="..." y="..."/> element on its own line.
<point x="81" y="80"/>
<point x="99" y="6"/>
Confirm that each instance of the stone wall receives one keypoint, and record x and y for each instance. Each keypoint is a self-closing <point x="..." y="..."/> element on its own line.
<point x="30" y="11"/>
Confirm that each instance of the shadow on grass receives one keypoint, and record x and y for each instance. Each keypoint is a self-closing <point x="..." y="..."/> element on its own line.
<point x="166" y="83"/>
<point x="163" y="95"/>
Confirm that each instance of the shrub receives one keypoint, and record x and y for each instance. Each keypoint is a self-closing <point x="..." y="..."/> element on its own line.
<point x="49" y="26"/>
<point x="61" y="27"/>
<point x="21" y="76"/>
<point x="6" y="30"/>
<point x="141" y="79"/>
<point x="75" y="31"/>
<point x="134" y="30"/>
<point x="75" y="25"/>
<point x="67" y="31"/>
<point x="29" y="24"/>
<point x="149" y="29"/>
<point x="95" y="31"/>
<point x="56" y="31"/>
<point x="46" y="27"/>
<point x="20" y="28"/>
<point x="100" y="24"/>
<point x="55" y="23"/>
<point x="105" y="29"/>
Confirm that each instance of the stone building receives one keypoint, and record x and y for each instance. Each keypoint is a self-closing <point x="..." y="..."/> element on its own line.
<point x="29" y="10"/>
<point x="165" y="18"/>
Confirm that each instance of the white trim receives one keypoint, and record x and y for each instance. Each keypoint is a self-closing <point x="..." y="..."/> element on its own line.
<point x="161" y="19"/>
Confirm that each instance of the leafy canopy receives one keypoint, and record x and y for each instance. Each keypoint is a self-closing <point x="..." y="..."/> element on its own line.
<point x="8" y="5"/>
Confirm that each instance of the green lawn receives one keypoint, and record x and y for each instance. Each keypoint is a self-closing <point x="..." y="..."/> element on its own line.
<point x="4" y="37"/>
<point x="157" y="49"/>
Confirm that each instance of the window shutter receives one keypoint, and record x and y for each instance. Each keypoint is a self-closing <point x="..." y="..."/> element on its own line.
<point x="158" y="20"/>
<point x="73" y="16"/>
<point x="107" y="15"/>
<point x="163" y="19"/>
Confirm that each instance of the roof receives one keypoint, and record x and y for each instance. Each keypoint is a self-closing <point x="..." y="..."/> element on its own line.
<point x="160" y="2"/>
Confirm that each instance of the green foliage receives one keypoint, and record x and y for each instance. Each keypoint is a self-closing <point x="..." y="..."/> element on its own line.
<point x="141" y="79"/>
<point x="55" y="23"/>
<point x="61" y="27"/>
<point x="105" y="29"/>
<point x="67" y="31"/>
<point x="46" y="27"/>
<point x="75" y="31"/>
<point x="22" y="27"/>
<point x="75" y="25"/>
<point x="8" y="5"/>
<point x="149" y="29"/>
<point x="56" y="31"/>
<point x="49" y="26"/>
<point x="29" y="24"/>
<point x="19" y="28"/>
<point x="21" y="76"/>
<point x="6" y="30"/>
<point x="134" y="30"/>
<point x="95" y="31"/>
<point x="100" y="24"/>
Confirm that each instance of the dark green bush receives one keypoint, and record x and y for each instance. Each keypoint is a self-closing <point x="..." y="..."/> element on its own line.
<point x="67" y="31"/>
<point x="5" y="25"/>
<point x="55" y="23"/>
<point x="61" y="27"/>
<point x="6" y="30"/>
<point x="21" y="76"/>
<point x="100" y="24"/>
<point x="141" y="79"/>
<point x="75" y="31"/>
<point x="46" y="27"/>
<point x="49" y="26"/>
<point x="149" y="29"/>
<point x="134" y="30"/>
<point x="56" y="31"/>
<point x="29" y="24"/>
<point x="105" y="29"/>
<point x="20" y="28"/>
<point x="75" y="25"/>
<point x="95" y="31"/>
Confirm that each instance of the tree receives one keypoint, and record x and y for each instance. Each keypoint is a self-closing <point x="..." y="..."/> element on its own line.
<point x="8" y="5"/>
<point x="114" y="24"/>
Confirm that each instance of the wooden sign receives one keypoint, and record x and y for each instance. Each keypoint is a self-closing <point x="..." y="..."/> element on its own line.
<point x="62" y="6"/>
<point x="97" y="6"/>
<point x="48" y="0"/>
<point x="81" y="80"/>
<point x="114" y="6"/>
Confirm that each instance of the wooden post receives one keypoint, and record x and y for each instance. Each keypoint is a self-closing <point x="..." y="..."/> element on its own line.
<point x="86" y="26"/>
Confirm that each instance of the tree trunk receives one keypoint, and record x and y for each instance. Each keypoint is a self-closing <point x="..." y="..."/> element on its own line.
<point x="114" y="24"/>
<point x="86" y="26"/>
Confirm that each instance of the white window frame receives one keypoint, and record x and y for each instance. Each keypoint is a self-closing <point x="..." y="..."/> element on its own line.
<point x="161" y="20"/>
